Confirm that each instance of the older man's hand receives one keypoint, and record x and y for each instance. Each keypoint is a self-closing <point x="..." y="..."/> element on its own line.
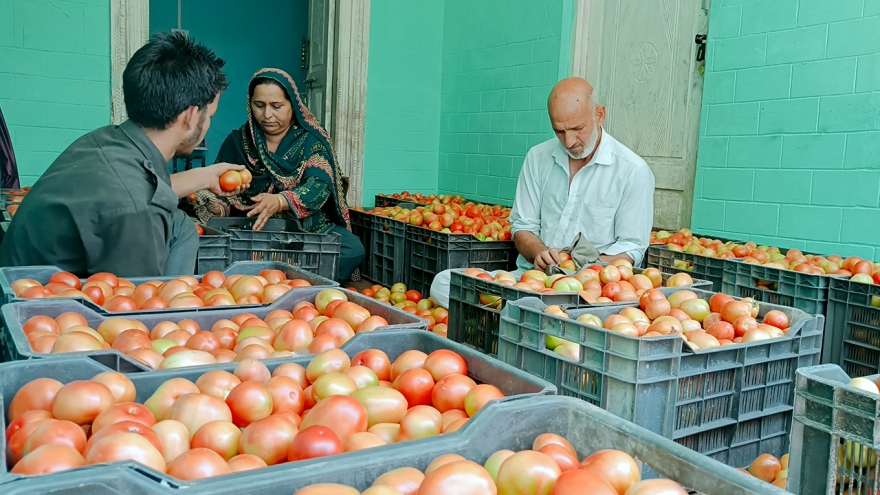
<point x="547" y="258"/>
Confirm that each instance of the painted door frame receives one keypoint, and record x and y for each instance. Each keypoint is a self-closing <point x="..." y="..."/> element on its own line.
<point x="130" y="30"/>
<point x="582" y="66"/>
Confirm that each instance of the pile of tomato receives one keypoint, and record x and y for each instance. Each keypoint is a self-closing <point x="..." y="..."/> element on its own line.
<point x="450" y="215"/>
<point x="250" y="418"/>
<point x="310" y="327"/>
<point x="410" y="301"/>
<point x="117" y="294"/>
<point x="550" y="467"/>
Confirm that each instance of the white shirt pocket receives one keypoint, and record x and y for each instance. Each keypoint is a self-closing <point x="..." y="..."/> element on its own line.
<point x="597" y="223"/>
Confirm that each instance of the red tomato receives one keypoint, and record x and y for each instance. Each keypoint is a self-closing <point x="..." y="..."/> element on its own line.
<point x="413" y="295"/>
<point x="312" y="442"/>
<point x="37" y="394"/>
<point x="573" y="482"/>
<point x="450" y="392"/>
<point x="375" y="359"/>
<point x="444" y="362"/>
<point x="126" y="411"/>
<point x="417" y="385"/>
<point x="82" y="401"/>
<point x="70" y="279"/>
<point x="776" y="318"/>
<point x="49" y="459"/>
<point x="527" y="471"/>
<point x="126" y="446"/>
<point x="56" y="432"/>
<point x="460" y="477"/>
<point x="268" y="439"/>
<point x="618" y="468"/>
<point x="198" y="463"/>
<point x="342" y="414"/>
<point x="230" y="180"/>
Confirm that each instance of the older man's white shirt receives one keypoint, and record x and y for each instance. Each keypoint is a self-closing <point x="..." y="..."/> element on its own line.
<point x="610" y="200"/>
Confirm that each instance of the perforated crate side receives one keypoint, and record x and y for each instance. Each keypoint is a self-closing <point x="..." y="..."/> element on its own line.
<point x="833" y="421"/>
<point x="317" y="253"/>
<point x="854" y="327"/>
<point x="214" y="252"/>
<point x="360" y="226"/>
<point x="387" y="257"/>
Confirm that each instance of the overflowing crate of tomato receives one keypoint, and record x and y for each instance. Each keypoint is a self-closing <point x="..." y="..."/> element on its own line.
<point x="386" y="200"/>
<point x="727" y="391"/>
<point x="192" y="424"/>
<point x="476" y="297"/>
<point x="687" y="252"/>
<point x="834" y="440"/>
<point x="385" y="229"/>
<point x="303" y="321"/>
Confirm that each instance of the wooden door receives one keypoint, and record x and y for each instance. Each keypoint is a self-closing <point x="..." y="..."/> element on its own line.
<point x="641" y="57"/>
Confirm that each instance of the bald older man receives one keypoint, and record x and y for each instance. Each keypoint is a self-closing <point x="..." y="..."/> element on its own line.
<point x="584" y="181"/>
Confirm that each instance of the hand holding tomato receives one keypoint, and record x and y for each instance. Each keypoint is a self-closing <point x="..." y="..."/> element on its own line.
<point x="268" y="205"/>
<point x="216" y="171"/>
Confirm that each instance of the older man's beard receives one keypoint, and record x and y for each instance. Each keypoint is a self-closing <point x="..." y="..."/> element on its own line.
<point x="588" y="147"/>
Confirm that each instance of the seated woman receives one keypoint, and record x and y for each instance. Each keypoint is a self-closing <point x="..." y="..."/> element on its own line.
<point x="294" y="170"/>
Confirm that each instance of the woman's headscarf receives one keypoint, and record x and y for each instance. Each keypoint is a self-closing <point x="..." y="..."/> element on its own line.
<point x="279" y="168"/>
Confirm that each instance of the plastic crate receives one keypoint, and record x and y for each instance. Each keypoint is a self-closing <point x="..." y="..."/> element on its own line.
<point x="42" y="273"/>
<point x="283" y="241"/>
<point x="429" y="253"/>
<point x="510" y="425"/>
<point x="386" y="260"/>
<point x="827" y="414"/>
<point x="704" y="399"/>
<point x="854" y="327"/>
<point x="17" y="347"/>
<point x="514" y="383"/>
<point x="213" y="252"/>
<point x="360" y="226"/>
<point x="806" y="292"/>
<point x="475" y="324"/>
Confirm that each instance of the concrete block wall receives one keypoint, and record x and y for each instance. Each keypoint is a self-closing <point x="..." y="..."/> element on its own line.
<point x="500" y="60"/>
<point x="403" y="97"/>
<point x="54" y="76"/>
<point x="789" y="150"/>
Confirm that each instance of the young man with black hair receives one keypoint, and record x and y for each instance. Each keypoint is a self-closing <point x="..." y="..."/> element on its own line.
<point x="108" y="203"/>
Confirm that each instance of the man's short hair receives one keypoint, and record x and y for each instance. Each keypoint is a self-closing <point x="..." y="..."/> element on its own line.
<point x="168" y="75"/>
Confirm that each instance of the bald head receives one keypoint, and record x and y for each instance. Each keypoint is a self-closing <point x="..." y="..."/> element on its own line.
<point x="576" y="116"/>
<point x="572" y="93"/>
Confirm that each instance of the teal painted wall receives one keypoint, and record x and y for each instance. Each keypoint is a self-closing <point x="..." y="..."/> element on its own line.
<point x="789" y="148"/>
<point x="456" y="93"/>
<point x="500" y="60"/>
<point x="248" y="36"/>
<point x="403" y="97"/>
<point x="54" y="76"/>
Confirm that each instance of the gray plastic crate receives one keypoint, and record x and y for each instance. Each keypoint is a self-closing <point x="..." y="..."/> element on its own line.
<point x="17" y="347"/>
<point x="507" y="425"/>
<point x="514" y="383"/>
<point x="476" y="325"/>
<point x="213" y="252"/>
<point x="827" y="414"/>
<point x="726" y="402"/>
<point x="41" y="274"/>
<point x="854" y="327"/>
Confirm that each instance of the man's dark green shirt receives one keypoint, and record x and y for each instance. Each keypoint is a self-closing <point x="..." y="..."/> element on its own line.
<point x="104" y="205"/>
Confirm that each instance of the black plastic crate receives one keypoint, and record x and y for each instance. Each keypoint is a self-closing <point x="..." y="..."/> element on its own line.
<point x="514" y="383"/>
<point x="387" y="248"/>
<point x="16" y="346"/>
<point x="429" y="253"/>
<point x="476" y="324"/>
<point x="803" y="291"/>
<point x="283" y="241"/>
<point x="696" y="398"/>
<point x="360" y="226"/>
<point x="854" y="327"/>
<point x="213" y="252"/>
<point x="833" y="421"/>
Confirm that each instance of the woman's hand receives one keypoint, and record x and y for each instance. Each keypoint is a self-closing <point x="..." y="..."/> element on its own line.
<point x="267" y="206"/>
<point x="218" y="169"/>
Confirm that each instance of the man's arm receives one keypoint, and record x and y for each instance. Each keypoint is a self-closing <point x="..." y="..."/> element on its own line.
<point x="634" y="219"/>
<point x="525" y="219"/>
<point x="535" y="251"/>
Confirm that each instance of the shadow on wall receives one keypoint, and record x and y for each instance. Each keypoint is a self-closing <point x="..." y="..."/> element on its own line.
<point x="249" y="36"/>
